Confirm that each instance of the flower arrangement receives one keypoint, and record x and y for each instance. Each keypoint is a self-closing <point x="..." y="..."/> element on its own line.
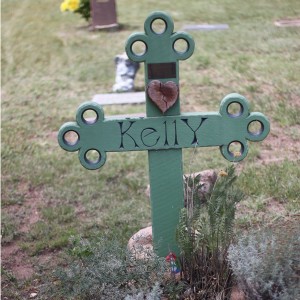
<point x="81" y="7"/>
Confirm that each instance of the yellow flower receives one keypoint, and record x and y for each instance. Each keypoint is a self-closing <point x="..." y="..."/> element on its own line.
<point x="237" y="154"/>
<point x="73" y="4"/>
<point x="223" y="173"/>
<point x="64" y="6"/>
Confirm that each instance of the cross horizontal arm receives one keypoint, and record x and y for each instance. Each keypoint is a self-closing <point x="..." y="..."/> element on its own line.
<point x="165" y="132"/>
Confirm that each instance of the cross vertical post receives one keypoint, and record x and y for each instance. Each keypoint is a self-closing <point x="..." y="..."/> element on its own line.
<point x="162" y="99"/>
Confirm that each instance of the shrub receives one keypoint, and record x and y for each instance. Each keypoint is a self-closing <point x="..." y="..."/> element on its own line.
<point x="204" y="234"/>
<point x="108" y="271"/>
<point x="267" y="264"/>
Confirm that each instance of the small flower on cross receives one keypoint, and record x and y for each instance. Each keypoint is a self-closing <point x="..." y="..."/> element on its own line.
<point x="237" y="154"/>
<point x="171" y="258"/>
<point x="222" y="173"/>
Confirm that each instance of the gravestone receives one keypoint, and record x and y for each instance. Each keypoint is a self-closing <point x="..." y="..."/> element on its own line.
<point x="104" y="14"/>
<point x="165" y="130"/>
<point x="205" y="27"/>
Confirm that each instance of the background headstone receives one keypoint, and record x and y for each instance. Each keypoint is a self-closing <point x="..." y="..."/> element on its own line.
<point x="288" y="23"/>
<point x="104" y="14"/>
<point x="205" y="27"/>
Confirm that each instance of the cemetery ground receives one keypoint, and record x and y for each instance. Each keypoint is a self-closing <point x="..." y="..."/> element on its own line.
<point x="51" y="64"/>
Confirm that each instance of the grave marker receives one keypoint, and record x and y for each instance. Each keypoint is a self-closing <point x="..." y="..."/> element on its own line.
<point x="205" y="27"/>
<point x="164" y="131"/>
<point x="104" y="14"/>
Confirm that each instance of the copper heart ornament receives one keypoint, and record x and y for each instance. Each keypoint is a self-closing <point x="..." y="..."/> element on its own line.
<point x="164" y="95"/>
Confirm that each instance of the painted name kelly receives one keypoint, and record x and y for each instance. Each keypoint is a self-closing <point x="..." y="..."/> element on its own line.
<point x="164" y="132"/>
<point x="178" y="133"/>
<point x="169" y="132"/>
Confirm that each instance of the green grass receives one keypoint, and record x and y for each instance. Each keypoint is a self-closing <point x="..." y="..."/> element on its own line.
<point x="9" y="227"/>
<point x="278" y="181"/>
<point x="51" y="64"/>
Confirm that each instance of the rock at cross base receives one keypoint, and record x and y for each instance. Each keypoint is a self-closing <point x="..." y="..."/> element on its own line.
<point x="125" y="73"/>
<point x="207" y="181"/>
<point x="140" y="244"/>
<point x="237" y="294"/>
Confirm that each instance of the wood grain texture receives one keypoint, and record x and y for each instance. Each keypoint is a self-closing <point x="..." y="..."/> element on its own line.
<point x="163" y="95"/>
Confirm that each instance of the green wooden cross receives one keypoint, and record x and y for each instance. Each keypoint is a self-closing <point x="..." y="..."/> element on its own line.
<point x="164" y="131"/>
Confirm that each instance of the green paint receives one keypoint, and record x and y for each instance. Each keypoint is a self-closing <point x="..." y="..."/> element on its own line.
<point x="165" y="167"/>
<point x="163" y="134"/>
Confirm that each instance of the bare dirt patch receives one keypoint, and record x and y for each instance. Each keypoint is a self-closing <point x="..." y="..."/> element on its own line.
<point x="13" y="257"/>
<point x="32" y="204"/>
<point x="16" y="260"/>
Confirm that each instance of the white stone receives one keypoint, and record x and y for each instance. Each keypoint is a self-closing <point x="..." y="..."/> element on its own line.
<point x="32" y="295"/>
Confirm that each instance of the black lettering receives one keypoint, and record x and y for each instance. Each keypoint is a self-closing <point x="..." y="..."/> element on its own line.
<point x="166" y="134"/>
<point x="186" y="121"/>
<point x="176" y="141"/>
<point x="125" y="132"/>
<point x="149" y="131"/>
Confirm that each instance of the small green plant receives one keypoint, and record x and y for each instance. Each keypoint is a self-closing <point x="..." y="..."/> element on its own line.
<point x="106" y="270"/>
<point x="81" y="7"/>
<point x="266" y="263"/>
<point x="204" y="234"/>
<point x="9" y="229"/>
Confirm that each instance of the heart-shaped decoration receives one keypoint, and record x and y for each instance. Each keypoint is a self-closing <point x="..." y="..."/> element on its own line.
<point x="164" y="95"/>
